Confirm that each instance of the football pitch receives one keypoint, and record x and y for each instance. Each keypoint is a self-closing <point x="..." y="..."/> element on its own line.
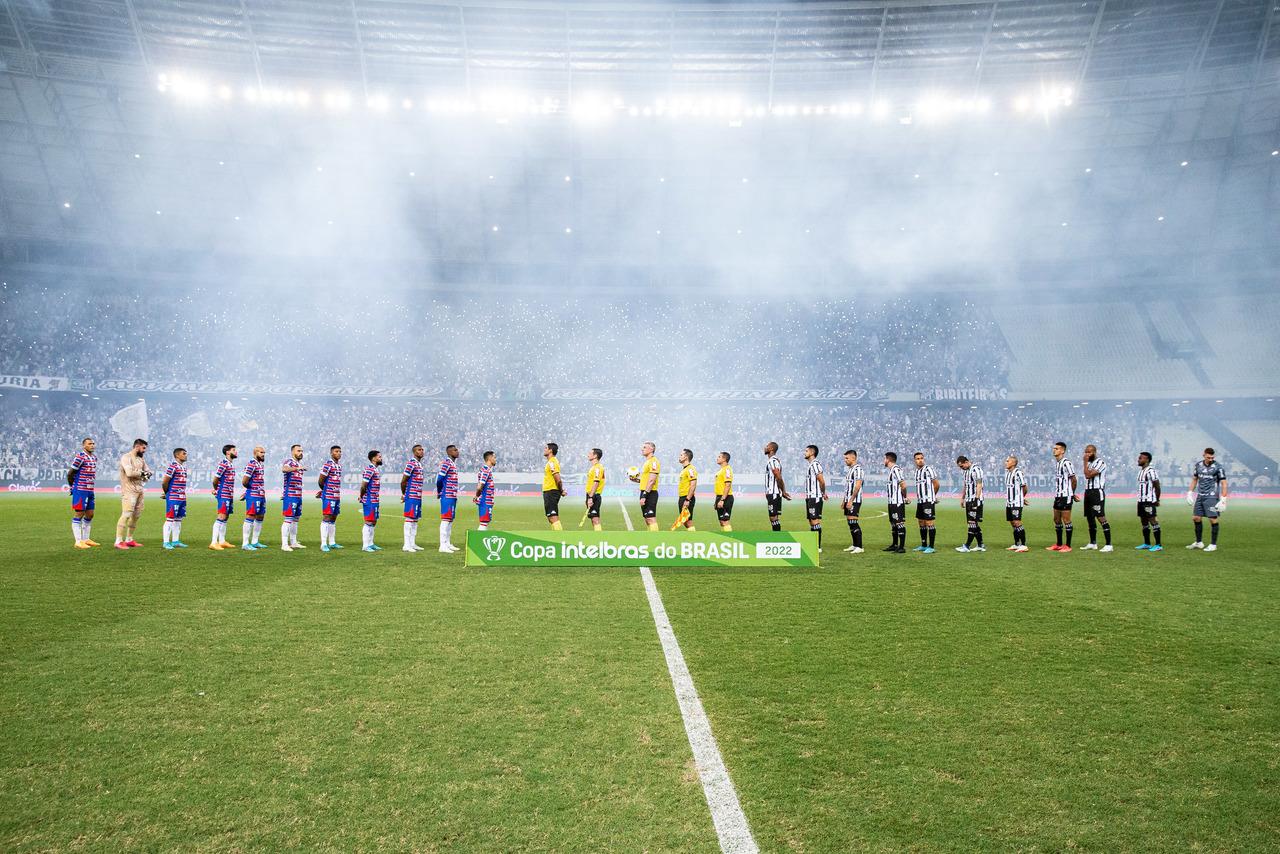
<point x="199" y="700"/>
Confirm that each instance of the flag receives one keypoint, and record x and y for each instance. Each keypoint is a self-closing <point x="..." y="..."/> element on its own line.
<point x="196" y="424"/>
<point x="131" y="422"/>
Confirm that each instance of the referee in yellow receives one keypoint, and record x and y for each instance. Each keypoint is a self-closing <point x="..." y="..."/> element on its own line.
<point x="647" y="477"/>
<point x="686" y="495"/>
<point x="595" y="487"/>
<point x="552" y="485"/>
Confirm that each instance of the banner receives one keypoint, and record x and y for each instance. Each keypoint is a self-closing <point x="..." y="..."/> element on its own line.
<point x="131" y="422"/>
<point x="39" y="383"/>
<point x="964" y="393"/>
<point x="727" y="394"/>
<point x="289" y="389"/>
<point x="641" y="548"/>
<point x="196" y="424"/>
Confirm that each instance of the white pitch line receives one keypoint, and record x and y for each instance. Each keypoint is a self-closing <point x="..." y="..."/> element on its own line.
<point x="722" y="798"/>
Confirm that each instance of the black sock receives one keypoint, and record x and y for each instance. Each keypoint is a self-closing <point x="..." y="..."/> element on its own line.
<point x="777" y="526"/>
<point x="977" y="534"/>
<point x="1213" y="532"/>
<point x="1093" y="531"/>
<point x="968" y="538"/>
<point x="1146" y="534"/>
<point x="1106" y="531"/>
<point x="924" y="536"/>
<point x="1057" y="529"/>
<point x="855" y="532"/>
<point x="1199" y="532"/>
<point x="818" y="531"/>
<point x="1021" y="534"/>
<point x="1155" y="532"/>
<point x="894" y="530"/>
<point x="933" y="533"/>
<point x="1067" y="528"/>
<point x="902" y="535"/>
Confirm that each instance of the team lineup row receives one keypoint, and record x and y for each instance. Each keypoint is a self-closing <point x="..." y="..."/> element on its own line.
<point x="1207" y="496"/>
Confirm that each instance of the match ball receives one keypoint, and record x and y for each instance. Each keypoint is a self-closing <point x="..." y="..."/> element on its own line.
<point x="634" y="471"/>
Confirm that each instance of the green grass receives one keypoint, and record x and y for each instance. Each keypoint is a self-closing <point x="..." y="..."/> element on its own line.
<point x="226" y="701"/>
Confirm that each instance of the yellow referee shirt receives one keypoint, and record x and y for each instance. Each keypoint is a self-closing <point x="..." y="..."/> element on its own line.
<point x="549" y="475"/>
<point x="595" y="479"/>
<point x="688" y="474"/>
<point x="724" y="480"/>
<point x="651" y="465"/>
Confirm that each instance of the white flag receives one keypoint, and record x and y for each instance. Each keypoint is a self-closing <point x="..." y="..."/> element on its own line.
<point x="131" y="422"/>
<point x="196" y="424"/>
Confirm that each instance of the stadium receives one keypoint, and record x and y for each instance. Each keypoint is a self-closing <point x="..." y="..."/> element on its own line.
<point x="459" y="329"/>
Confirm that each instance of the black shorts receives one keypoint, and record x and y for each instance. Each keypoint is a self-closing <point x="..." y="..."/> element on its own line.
<point x="551" y="502"/>
<point x="1095" y="503"/>
<point x="593" y="509"/>
<point x="1147" y="509"/>
<point x="1062" y="503"/>
<point x="1013" y="514"/>
<point x="649" y="504"/>
<point x="897" y="513"/>
<point x="853" y="509"/>
<point x="813" y="509"/>
<point x="690" y="502"/>
<point x="775" y="504"/>
<point x="973" y="511"/>
<point x="724" y="512"/>
<point x="925" y="511"/>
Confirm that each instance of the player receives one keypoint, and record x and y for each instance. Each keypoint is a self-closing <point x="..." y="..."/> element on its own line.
<point x="971" y="502"/>
<point x="173" y="483"/>
<point x="647" y="477"/>
<point x="133" y="477"/>
<point x="411" y="496"/>
<point x="254" y="481"/>
<point x="1148" y="504"/>
<point x="1095" y="498"/>
<point x="370" y="499"/>
<point x="224" y="492"/>
<point x="1207" y="497"/>
<point x="595" y="487"/>
<point x="815" y="492"/>
<point x="1015" y="501"/>
<point x="552" y="485"/>
<point x="686" y="491"/>
<point x="485" y="490"/>
<point x="1064" y="495"/>
<point x="926" y="503"/>
<point x="775" y="488"/>
<point x="896" y="494"/>
<point x="291" y="499"/>
<point x="81" y="477"/>
<point x="447" y="492"/>
<point x="724" y="491"/>
<point x="330" y="495"/>
<point x="852" y="504"/>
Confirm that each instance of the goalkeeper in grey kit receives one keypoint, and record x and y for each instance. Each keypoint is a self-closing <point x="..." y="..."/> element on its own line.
<point x="1208" y="498"/>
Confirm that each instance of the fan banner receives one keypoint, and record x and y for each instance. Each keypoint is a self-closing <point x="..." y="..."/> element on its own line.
<point x="642" y="548"/>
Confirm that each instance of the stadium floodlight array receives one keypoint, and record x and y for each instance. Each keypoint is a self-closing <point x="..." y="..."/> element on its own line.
<point x="590" y="108"/>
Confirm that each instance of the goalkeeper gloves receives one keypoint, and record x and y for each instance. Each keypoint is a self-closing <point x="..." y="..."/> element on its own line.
<point x="1191" y="498"/>
<point x="1222" y="505"/>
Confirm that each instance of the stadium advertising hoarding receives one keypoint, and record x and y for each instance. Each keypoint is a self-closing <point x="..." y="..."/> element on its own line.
<point x="642" y="548"/>
<point x="765" y="395"/>
<point x="964" y="393"/>
<point x="288" y="389"/>
<point x="33" y="382"/>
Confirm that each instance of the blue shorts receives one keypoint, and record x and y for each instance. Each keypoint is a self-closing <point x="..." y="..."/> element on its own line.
<point x="292" y="507"/>
<point x="413" y="509"/>
<point x="331" y="506"/>
<point x="447" y="506"/>
<point x="226" y="506"/>
<point x="255" y="506"/>
<point x="370" y="513"/>
<point x="175" y="509"/>
<point x="82" y="500"/>
<point x="485" y="511"/>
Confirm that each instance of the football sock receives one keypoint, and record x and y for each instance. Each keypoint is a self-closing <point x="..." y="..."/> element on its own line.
<point x="366" y="536"/>
<point x="1106" y="532"/>
<point x="777" y="526"/>
<point x="924" y="537"/>
<point x="1155" y="532"/>
<point x="1213" y="533"/>
<point x="817" y="529"/>
<point x="168" y="530"/>
<point x="285" y="528"/>
<point x="257" y="531"/>
<point x="246" y="532"/>
<point x="1057" y="529"/>
<point x="1146" y="534"/>
<point x="293" y="532"/>
<point x="444" y="533"/>
<point x="1067" y="529"/>
<point x="1093" y="531"/>
<point x="85" y="526"/>
<point x="76" y="529"/>
<point x="977" y="534"/>
<point x="177" y="530"/>
<point x="1199" y="532"/>
<point x="932" y="534"/>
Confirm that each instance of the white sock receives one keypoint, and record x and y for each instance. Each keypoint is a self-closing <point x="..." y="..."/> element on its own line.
<point x="246" y="532"/>
<point x="293" y="532"/>
<point x="77" y="529"/>
<point x="408" y="534"/>
<point x="257" y="530"/>
<point x="444" y="533"/>
<point x="177" y="530"/>
<point x="324" y="534"/>
<point x="168" y="529"/>
<point x="448" y="530"/>
<point x="213" y="541"/>
<point x="85" y="525"/>
<point x="366" y="536"/>
<point x="484" y="526"/>
<point x="284" y="533"/>
<point x="414" y="541"/>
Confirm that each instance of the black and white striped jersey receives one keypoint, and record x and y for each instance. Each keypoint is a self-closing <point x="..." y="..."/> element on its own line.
<point x="771" y="469"/>
<point x="1062" y="478"/>
<point x="1147" y="480"/>
<point x="1099" y="480"/>
<point x="812" y="488"/>
<point x="925" y="475"/>
<point x="894" y="491"/>
<point x="1014" y="484"/>
<point x="972" y="477"/>
<point x="854" y="475"/>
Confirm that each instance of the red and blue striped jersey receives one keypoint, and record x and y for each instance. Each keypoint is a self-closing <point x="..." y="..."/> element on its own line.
<point x="373" y="484"/>
<point x="257" y="487"/>
<point x="484" y="480"/>
<point x="86" y="466"/>
<point x="177" y="476"/>
<point x="449" y="472"/>
<point x="333" y="480"/>
<point x="292" y="478"/>
<point x="413" y="471"/>
<point x="225" y="475"/>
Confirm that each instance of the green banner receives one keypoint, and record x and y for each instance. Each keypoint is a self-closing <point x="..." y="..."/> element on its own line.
<point x="641" y="548"/>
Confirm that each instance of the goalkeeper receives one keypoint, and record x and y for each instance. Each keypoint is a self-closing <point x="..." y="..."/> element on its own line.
<point x="133" y="476"/>
<point x="1208" y="498"/>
